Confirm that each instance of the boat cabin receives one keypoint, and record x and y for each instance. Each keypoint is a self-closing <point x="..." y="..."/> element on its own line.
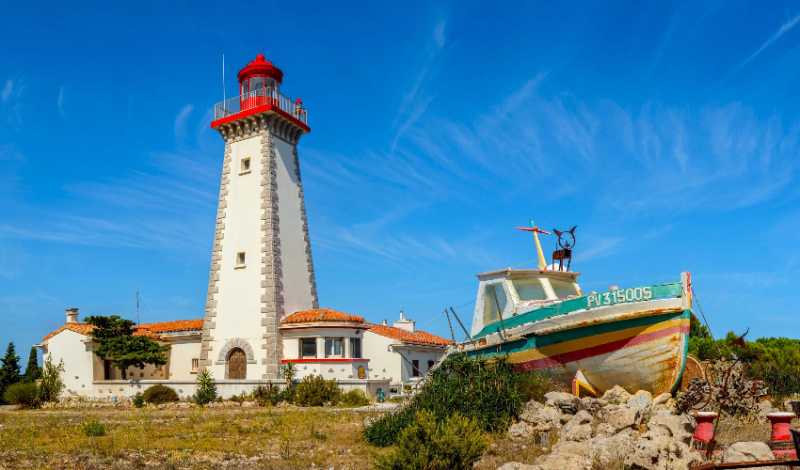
<point x="509" y="292"/>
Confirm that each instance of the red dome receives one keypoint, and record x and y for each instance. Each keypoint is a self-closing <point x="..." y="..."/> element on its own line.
<point x="261" y="67"/>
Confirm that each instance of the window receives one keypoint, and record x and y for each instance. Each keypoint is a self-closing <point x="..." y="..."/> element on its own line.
<point x="430" y="364"/>
<point x="244" y="166"/>
<point x="240" y="259"/>
<point x="529" y="289"/>
<point x="355" y="348"/>
<point x="308" y="347"/>
<point x="195" y="364"/>
<point x="494" y="302"/>
<point x="415" y="368"/>
<point x="334" y="347"/>
<point x="563" y="288"/>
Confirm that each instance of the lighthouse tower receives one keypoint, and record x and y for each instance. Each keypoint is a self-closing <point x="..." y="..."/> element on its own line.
<point x="261" y="265"/>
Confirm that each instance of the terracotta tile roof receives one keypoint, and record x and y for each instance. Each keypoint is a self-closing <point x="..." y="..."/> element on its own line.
<point x="172" y="326"/>
<point x="145" y="329"/>
<point x="417" y="337"/>
<point x="80" y="328"/>
<point x="321" y="315"/>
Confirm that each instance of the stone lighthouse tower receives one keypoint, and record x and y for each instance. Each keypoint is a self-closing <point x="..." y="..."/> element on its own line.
<point x="261" y="265"/>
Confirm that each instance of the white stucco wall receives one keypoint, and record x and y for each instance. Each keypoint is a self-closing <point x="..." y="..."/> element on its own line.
<point x="181" y="354"/>
<point x="294" y="259"/>
<point x="383" y="363"/>
<point x="70" y="347"/>
<point x="239" y="296"/>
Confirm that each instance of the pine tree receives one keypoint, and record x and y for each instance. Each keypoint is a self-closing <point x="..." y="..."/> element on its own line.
<point x="32" y="371"/>
<point x="9" y="369"/>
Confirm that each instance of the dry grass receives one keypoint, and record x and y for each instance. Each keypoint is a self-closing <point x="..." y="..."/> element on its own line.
<point x="185" y="438"/>
<point x="502" y="449"/>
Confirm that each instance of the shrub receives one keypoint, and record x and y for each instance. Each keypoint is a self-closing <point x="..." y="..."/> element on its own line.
<point x="93" y="428"/>
<point x="487" y="391"/>
<point x="158" y="394"/>
<point x="206" y="388"/>
<point x="354" y="398"/>
<point x="313" y="390"/>
<point x="51" y="384"/>
<point x="138" y="400"/>
<point x="24" y="394"/>
<point x="267" y="395"/>
<point x="455" y="443"/>
<point x="287" y="394"/>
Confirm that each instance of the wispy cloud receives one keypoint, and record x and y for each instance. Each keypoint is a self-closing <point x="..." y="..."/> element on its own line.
<point x="180" y="121"/>
<point x="60" y="101"/>
<point x="8" y="88"/>
<point x="783" y="29"/>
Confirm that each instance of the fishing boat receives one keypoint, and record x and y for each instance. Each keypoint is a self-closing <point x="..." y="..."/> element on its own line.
<point x="540" y="319"/>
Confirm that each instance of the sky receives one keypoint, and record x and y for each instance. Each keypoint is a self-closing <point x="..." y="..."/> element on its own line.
<point x="669" y="133"/>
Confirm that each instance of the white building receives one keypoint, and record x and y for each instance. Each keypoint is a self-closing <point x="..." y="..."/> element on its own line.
<point x="261" y="309"/>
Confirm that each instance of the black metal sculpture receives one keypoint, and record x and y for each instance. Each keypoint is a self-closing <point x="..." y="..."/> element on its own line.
<point x="565" y="242"/>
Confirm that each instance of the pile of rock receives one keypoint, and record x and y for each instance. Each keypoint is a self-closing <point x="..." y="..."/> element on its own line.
<point x="618" y="430"/>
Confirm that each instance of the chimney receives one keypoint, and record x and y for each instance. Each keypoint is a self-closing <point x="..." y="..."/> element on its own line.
<point x="385" y="322"/>
<point x="404" y="323"/>
<point x="72" y="315"/>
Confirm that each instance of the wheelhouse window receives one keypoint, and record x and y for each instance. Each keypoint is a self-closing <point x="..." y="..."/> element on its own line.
<point x="529" y="289"/>
<point x="415" y="368"/>
<point x="563" y="288"/>
<point x="334" y="347"/>
<point x="494" y="302"/>
<point x="355" y="348"/>
<point x="308" y="347"/>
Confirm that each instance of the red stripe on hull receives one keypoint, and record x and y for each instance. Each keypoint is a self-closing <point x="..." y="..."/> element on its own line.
<point x="560" y="359"/>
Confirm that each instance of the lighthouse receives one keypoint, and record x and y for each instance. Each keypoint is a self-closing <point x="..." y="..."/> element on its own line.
<point x="261" y="265"/>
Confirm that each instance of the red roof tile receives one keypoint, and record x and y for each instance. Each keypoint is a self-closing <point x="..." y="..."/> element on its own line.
<point x="417" y="337"/>
<point x="321" y="315"/>
<point x="145" y="329"/>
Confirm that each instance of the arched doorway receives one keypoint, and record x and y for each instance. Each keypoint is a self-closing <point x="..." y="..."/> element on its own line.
<point x="237" y="364"/>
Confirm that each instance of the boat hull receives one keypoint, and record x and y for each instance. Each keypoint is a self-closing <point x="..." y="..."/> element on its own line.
<point x="638" y="352"/>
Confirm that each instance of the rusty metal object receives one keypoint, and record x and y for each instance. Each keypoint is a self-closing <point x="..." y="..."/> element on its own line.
<point x="694" y="370"/>
<point x="753" y="464"/>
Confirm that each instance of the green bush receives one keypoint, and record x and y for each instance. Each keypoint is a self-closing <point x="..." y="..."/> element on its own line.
<point x="158" y="394"/>
<point x="206" y="388"/>
<point x="287" y="394"/>
<point x="354" y="398"/>
<point x="266" y="396"/>
<point x="93" y="428"/>
<point x="51" y="385"/>
<point x="488" y="391"/>
<point x="313" y="390"/>
<point x="138" y="400"/>
<point x="24" y="394"/>
<point x="429" y="444"/>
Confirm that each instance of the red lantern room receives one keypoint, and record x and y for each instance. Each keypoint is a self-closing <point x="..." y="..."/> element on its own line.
<point x="259" y="82"/>
<point x="259" y="92"/>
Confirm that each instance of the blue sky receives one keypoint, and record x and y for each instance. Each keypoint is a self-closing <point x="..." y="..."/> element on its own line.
<point x="669" y="133"/>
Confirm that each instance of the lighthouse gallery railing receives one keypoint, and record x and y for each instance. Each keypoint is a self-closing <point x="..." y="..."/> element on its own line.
<point x="259" y="97"/>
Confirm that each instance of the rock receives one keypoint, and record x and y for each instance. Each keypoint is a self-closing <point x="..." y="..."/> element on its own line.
<point x="543" y="418"/>
<point x="656" y="451"/>
<point x="566" y="402"/>
<point x="604" y="430"/>
<point x="520" y="431"/>
<point x="610" y="451"/>
<point x="616" y="395"/>
<point x="518" y="466"/>
<point x="621" y="417"/>
<point x="677" y="427"/>
<point x="641" y="400"/>
<point x="662" y="399"/>
<point x="592" y="405"/>
<point x="748" y="452"/>
<point x="573" y="447"/>
<point x="562" y="461"/>
<point x="579" y="428"/>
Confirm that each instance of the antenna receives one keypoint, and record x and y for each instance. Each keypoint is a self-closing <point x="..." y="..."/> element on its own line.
<point x="223" y="80"/>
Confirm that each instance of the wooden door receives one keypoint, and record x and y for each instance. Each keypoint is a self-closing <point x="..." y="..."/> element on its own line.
<point x="237" y="364"/>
